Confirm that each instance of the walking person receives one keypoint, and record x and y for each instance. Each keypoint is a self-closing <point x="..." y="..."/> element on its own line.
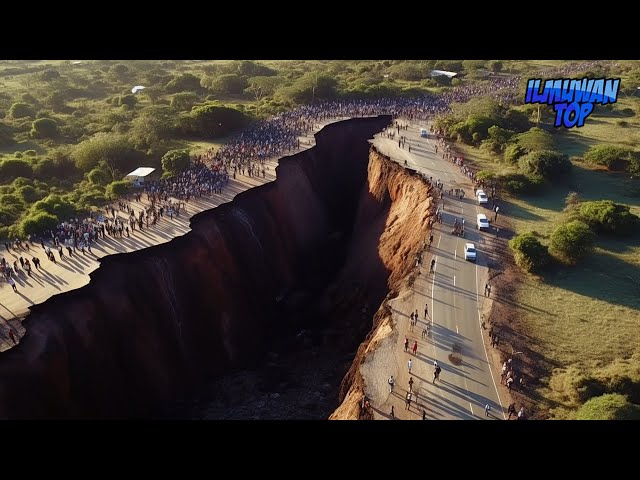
<point x="406" y="344"/>
<point x="487" y="409"/>
<point x="391" y="382"/>
<point x="424" y="414"/>
<point x="512" y="411"/>
<point x="426" y="311"/>
<point x="408" y="401"/>
<point x="393" y="413"/>
<point x="436" y="373"/>
<point x="12" y="282"/>
<point x="415" y="347"/>
<point x="411" y="384"/>
<point x="409" y="364"/>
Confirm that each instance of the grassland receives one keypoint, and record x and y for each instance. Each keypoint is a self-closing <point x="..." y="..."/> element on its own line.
<point x="584" y="320"/>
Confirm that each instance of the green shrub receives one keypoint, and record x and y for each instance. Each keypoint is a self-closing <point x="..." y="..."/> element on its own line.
<point x="56" y="205"/>
<point x="21" y="110"/>
<point x="37" y="223"/>
<point x="529" y="253"/>
<point x="518" y="183"/>
<point x="611" y="406"/>
<point x="513" y="152"/>
<point x="572" y="241"/>
<point x="118" y="189"/>
<point x="175" y="161"/>
<point x="607" y="216"/>
<point x="30" y="194"/>
<point x="128" y="100"/>
<point x="13" y="167"/>
<point x="610" y="156"/>
<point x="44" y="128"/>
<point x="98" y="176"/>
<point x="214" y="121"/>
<point x="546" y="163"/>
<point x="535" y="139"/>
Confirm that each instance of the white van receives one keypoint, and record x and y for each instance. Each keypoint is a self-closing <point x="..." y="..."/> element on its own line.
<point x="423" y="132"/>
<point x="482" y="222"/>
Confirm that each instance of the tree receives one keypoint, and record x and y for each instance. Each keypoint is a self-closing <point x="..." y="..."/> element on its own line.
<point x="37" y="223"/>
<point x="44" y="128"/>
<point x="572" y="241"/>
<point x="14" y="167"/>
<point x="214" y="121"/>
<point x="261" y="87"/>
<point x="49" y="75"/>
<point x="6" y="135"/>
<point x="608" y="217"/>
<point x="97" y="176"/>
<point x="610" y="406"/>
<point x="610" y="156"/>
<point x="513" y="152"/>
<point x="114" y="149"/>
<point x="495" y="65"/>
<point x="21" y="110"/>
<point x="29" y="194"/>
<point x="176" y="161"/>
<point x="545" y="163"/>
<point x="183" y="100"/>
<point x="118" y="189"/>
<point x="228" y="84"/>
<point x="529" y="253"/>
<point x="129" y="100"/>
<point x="248" y="68"/>
<point x="184" y="82"/>
<point x="153" y="126"/>
<point x="120" y="71"/>
<point x="535" y="139"/>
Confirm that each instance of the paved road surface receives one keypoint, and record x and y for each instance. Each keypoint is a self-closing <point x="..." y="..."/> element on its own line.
<point x="453" y="294"/>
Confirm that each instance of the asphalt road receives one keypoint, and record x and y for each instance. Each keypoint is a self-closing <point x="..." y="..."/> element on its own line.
<point x="453" y="293"/>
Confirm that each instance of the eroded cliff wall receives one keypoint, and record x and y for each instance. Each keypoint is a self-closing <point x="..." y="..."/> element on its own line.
<point x="157" y="322"/>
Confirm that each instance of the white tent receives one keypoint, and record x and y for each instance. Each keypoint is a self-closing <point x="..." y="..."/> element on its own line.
<point x="437" y="73"/>
<point x="139" y="174"/>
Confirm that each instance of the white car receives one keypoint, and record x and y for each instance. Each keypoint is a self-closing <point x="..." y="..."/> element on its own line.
<point x="423" y="132"/>
<point x="470" y="252"/>
<point x="482" y="222"/>
<point x="482" y="197"/>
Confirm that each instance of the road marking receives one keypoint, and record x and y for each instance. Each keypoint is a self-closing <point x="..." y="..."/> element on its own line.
<point x="457" y="329"/>
<point x="455" y="255"/>
<point x="454" y="280"/>
<point x="439" y="238"/>
<point x="471" y="407"/>
<point x="484" y="346"/>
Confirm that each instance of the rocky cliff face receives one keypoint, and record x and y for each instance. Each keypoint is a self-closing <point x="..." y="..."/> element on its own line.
<point x="316" y="251"/>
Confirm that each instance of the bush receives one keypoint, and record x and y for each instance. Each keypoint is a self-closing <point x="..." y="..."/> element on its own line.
<point x="97" y="176"/>
<point x="214" y="121"/>
<point x="529" y="253"/>
<point x="572" y="241"/>
<point x="56" y="205"/>
<point x="30" y="194"/>
<point x="184" y="83"/>
<point x="118" y="189"/>
<point x="230" y="84"/>
<point x="21" y="110"/>
<point x="44" y="128"/>
<point x="611" y="406"/>
<point x="608" y="217"/>
<point x="610" y="156"/>
<point x="175" y="161"/>
<point x="114" y="149"/>
<point x="13" y="167"/>
<point x="128" y="100"/>
<point x="545" y="163"/>
<point x="535" y="140"/>
<point x="6" y="135"/>
<point x="38" y="223"/>
<point x="513" y="152"/>
<point x="517" y="183"/>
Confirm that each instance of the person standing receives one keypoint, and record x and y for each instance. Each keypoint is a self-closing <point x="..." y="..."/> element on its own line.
<point x="424" y="414"/>
<point x="409" y="364"/>
<point x="391" y="382"/>
<point x="408" y="401"/>
<point x="411" y="384"/>
<point x="393" y="413"/>
<point x="426" y="311"/>
<point x="415" y="347"/>
<point x="487" y="409"/>
<point x="512" y="411"/>
<point x="406" y="344"/>
<point x="521" y="414"/>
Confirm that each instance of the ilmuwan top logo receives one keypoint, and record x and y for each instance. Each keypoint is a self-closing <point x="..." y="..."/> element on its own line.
<point x="572" y="99"/>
